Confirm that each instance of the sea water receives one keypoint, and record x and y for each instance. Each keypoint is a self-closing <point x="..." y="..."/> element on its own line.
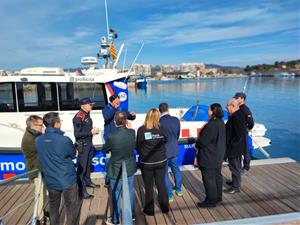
<point x="274" y="102"/>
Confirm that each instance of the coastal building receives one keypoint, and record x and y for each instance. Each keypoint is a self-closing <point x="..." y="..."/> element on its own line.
<point x="193" y="67"/>
<point x="142" y="69"/>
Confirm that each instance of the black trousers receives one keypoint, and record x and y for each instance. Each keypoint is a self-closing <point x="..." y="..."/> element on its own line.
<point x="157" y="174"/>
<point x="84" y="167"/>
<point x="213" y="183"/>
<point x="234" y="164"/>
<point x="71" y="201"/>
<point x="247" y="156"/>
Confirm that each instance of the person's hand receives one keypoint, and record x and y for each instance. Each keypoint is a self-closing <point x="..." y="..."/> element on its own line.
<point x="132" y="113"/>
<point x="95" y="130"/>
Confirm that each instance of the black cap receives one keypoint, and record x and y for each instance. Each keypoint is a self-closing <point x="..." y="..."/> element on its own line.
<point x="113" y="97"/>
<point x="240" y="95"/>
<point x="87" y="100"/>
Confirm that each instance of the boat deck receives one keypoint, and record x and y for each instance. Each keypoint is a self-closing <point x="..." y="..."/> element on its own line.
<point x="267" y="189"/>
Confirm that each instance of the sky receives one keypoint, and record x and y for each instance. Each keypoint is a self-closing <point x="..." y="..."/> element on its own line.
<point x="230" y="33"/>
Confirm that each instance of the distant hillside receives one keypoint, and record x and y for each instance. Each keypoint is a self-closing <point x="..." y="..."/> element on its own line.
<point x="221" y="67"/>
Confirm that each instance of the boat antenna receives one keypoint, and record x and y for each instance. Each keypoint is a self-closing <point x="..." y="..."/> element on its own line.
<point x="137" y="55"/>
<point x="106" y="16"/>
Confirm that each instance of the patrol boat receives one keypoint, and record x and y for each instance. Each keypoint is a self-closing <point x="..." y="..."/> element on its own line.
<point x="39" y="90"/>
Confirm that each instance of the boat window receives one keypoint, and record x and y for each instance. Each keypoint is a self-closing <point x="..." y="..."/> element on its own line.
<point x="7" y="97"/>
<point x="71" y="93"/>
<point x="37" y="97"/>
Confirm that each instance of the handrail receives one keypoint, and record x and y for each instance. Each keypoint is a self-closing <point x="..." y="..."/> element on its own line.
<point x="126" y="204"/>
<point x="9" y="180"/>
<point x="37" y="193"/>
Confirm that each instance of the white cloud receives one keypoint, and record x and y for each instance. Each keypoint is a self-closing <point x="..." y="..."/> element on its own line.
<point x="212" y="25"/>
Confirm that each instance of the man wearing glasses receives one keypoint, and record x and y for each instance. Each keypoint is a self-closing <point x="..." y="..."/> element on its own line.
<point x="34" y="128"/>
<point x="83" y="132"/>
<point x="235" y="144"/>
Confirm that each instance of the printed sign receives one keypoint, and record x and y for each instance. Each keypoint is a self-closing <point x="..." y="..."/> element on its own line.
<point x="14" y="164"/>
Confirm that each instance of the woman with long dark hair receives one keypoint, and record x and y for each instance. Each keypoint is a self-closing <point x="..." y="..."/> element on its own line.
<point x="153" y="160"/>
<point x="211" y="145"/>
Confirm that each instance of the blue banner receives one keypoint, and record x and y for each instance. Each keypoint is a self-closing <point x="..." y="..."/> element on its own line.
<point x="14" y="164"/>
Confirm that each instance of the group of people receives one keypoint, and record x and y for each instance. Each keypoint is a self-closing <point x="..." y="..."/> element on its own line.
<point x="157" y="144"/>
<point x="218" y="142"/>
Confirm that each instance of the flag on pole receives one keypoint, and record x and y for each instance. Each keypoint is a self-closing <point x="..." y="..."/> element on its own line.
<point x="113" y="51"/>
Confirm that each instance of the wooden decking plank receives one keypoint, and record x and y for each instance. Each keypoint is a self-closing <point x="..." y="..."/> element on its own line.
<point x="258" y="196"/>
<point x="237" y="200"/>
<point x="273" y="188"/>
<point x="11" y="199"/>
<point x="293" y="168"/>
<point x="27" y="216"/>
<point x="182" y="205"/>
<point x="251" y="206"/>
<point x="196" y="195"/>
<point x="291" y="180"/>
<point x="5" y="189"/>
<point x="228" y="203"/>
<point x="7" y="198"/>
<point x="259" y="185"/>
<point x="191" y="204"/>
<point x="280" y="190"/>
<point x="16" y="215"/>
<point x="140" y="219"/>
<point x="266" y="190"/>
<point x="149" y="219"/>
<point x="102" y="199"/>
<point x="160" y="219"/>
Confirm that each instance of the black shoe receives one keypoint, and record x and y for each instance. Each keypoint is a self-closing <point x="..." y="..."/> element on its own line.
<point x="230" y="183"/>
<point x="206" y="205"/>
<point x="93" y="185"/>
<point x="232" y="190"/>
<point x="87" y="196"/>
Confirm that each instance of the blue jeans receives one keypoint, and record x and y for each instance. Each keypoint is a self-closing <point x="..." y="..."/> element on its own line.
<point x="116" y="186"/>
<point x="173" y="164"/>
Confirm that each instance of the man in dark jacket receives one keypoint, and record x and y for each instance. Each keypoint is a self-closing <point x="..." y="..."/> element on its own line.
<point x="56" y="153"/>
<point x="241" y="98"/>
<point x="34" y="128"/>
<point x="171" y="127"/>
<point x="109" y="112"/>
<point x="235" y="143"/>
<point x="121" y="144"/>
<point x="83" y="132"/>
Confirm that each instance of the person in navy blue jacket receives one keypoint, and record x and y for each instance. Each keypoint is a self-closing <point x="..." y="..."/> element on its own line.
<point x="109" y="112"/>
<point x="56" y="153"/>
<point x="171" y="127"/>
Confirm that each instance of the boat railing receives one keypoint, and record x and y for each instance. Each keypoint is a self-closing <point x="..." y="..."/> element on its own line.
<point x="33" y="221"/>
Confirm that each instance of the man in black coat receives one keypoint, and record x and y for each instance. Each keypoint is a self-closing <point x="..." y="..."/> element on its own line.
<point x="236" y="143"/>
<point x="241" y="98"/>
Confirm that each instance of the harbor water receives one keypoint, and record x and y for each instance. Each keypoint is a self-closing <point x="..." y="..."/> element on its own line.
<point x="274" y="102"/>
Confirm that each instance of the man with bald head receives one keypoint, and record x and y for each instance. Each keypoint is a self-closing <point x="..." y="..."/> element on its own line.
<point x="236" y="143"/>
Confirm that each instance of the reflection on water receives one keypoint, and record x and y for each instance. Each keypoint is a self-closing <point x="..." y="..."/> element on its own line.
<point x="273" y="101"/>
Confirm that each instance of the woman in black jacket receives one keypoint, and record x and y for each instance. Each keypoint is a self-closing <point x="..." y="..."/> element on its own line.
<point x="151" y="148"/>
<point x="211" y="145"/>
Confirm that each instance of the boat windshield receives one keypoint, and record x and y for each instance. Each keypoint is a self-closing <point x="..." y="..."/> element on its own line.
<point x="43" y="96"/>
